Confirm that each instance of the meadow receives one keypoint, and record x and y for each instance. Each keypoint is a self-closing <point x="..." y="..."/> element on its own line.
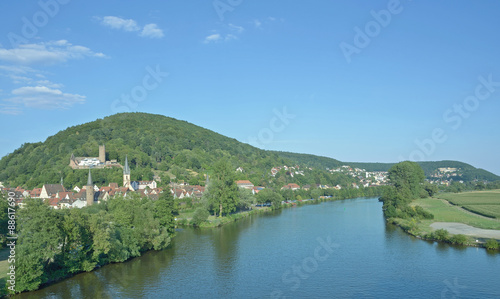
<point x="444" y="211"/>
<point x="486" y="203"/>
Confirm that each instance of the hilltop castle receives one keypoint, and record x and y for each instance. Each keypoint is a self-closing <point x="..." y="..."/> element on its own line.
<point x="94" y="162"/>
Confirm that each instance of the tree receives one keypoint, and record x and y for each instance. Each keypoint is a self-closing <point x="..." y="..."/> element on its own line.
<point x="407" y="177"/>
<point x="200" y="215"/>
<point x="222" y="190"/>
<point x="247" y="199"/>
<point x="40" y="237"/>
<point x="269" y="196"/>
<point x="165" y="209"/>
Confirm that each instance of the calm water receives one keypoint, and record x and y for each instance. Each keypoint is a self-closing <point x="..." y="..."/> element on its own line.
<point x="339" y="249"/>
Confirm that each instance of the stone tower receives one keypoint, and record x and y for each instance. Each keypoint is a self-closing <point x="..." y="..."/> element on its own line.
<point x="90" y="190"/>
<point x="126" y="174"/>
<point x="102" y="153"/>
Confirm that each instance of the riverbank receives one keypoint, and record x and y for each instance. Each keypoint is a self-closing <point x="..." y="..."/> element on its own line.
<point x="451" y="224"/>
<point x="212" y="221"/>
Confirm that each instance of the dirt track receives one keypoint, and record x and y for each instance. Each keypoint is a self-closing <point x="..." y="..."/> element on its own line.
<point x="460" y="228"/>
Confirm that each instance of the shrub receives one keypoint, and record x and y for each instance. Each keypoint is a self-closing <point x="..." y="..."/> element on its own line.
<point x="441" y="235"/>
<point x="492" y="244"/>
<point x="199" y="216"/>
<point x="459" y="239"/>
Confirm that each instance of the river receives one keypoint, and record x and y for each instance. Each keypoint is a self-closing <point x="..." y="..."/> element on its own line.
<point x="340" y="249"/>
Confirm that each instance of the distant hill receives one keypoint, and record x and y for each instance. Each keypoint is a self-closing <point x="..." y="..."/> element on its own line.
<point x="165" y="145"/>
<point x="468" y="171"/>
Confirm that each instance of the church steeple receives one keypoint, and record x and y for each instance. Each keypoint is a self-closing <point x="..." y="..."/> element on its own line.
<point x="126" y="175"/>
<point x="90" y="190"/>
<point x="126" y="169"/>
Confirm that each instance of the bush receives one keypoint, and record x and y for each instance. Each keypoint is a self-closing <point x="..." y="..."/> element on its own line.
<point x="200" y="216"/>
<point x="441" y="235"/>
<point x="459" y="239"/>
<point x="492" y="244"/>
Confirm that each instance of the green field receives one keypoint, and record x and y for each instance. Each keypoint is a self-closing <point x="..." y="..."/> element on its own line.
<point x="486" y="203"/>
<point x="443" y="211"/>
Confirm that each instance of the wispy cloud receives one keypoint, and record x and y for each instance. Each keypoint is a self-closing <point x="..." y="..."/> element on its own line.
<point x="213" y="38"/>
<point x="129" y="25"/>
<point x="45" y="53"/>
<point x="259" y="23"/>
<point x="152" y="31"/>
<point x="232" y="32"/>
<point x="119" y="23"/>
<point x="43" y="97"/>
<point x="36" y="90"/>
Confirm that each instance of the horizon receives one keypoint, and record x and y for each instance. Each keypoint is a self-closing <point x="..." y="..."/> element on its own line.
<point x="381" y="82"/>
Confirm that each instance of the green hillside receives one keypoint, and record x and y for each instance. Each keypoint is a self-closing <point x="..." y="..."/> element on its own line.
<point x="153" y="143"/>
<point x="166" y="146"/>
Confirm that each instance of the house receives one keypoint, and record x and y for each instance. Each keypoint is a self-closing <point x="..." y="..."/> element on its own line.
<point x="257" y="189"/>
<point x="291" y="186"/>
<point x="48" y="190"/>
<point x="245" y="184"/>
<point x="35" y="193"/>
<point x="145" y="184"/>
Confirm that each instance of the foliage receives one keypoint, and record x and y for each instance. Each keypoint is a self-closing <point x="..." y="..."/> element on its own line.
<point x="492" y="244"/>
<point x="459" y="239"/>
<point x="200" y="216"/>
<point x="269" y="196"/>
<point x="53" y="244"/>
<point x="222" y="189"/>
<point x="407" y="179"/>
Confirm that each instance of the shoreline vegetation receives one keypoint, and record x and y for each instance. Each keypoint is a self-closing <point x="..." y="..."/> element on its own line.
<point x="413" y="204"/>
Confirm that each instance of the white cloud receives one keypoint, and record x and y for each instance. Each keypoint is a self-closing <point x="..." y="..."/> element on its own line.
<point x="119" y="23"/>
<point x="44" y="97"/>
<point x="213" y="38"/>
<point x="152" y="31"/>
<point x="10" y="109"/>
<point x="149" y="30"/>
<point x="46" y="53"/>
<point x="257" y="23"/>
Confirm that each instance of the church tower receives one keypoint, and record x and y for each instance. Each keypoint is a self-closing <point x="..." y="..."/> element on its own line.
<point x="90" y="191"/>
<point x="126" y="174"/>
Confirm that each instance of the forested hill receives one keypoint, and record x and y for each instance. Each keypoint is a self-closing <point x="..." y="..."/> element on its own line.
<point x="150" y="141"/>
<point x="161" y="144"/>
<point x="468" y="171"/>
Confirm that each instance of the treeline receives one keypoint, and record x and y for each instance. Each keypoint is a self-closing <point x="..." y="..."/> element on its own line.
<point x="456" y="187"/>
<point x="222" y="197"/>
<point x="408" y="183"/>
<point x="54" y="244"/>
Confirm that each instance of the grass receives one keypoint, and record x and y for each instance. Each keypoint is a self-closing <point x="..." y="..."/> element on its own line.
<point x="492" y="211"/>
<point x="445" y="212"/>
<point x="486" y="203"/>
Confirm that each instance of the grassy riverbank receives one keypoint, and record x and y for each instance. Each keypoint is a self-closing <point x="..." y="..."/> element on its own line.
<point x="444" y="211"/>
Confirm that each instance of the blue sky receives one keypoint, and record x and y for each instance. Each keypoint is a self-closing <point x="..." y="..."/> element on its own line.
<point x="378" y="81"/>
